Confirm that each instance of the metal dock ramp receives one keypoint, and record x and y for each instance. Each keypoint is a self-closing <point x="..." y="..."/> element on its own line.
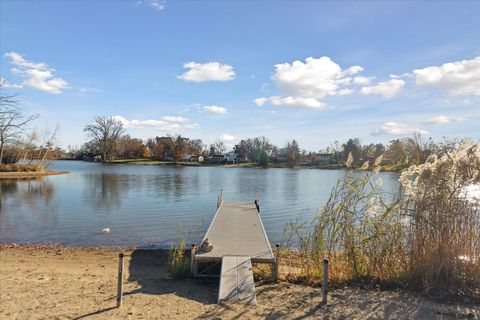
<point x="238" y="239"/>
<point x="236" y="280"/>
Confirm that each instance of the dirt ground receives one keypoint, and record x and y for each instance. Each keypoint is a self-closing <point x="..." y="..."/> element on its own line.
<point x="67" y="283"/>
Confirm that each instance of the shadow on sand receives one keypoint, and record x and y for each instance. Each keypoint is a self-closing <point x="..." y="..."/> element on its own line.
<point x="149" y="268"/>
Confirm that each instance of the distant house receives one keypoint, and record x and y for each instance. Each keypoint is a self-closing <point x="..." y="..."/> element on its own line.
<point x="216" y="158"/>
<point x="230" y="157"/>
<point x="280" y="156"/>
<point x="322" y="158"/>
<point x="197" y="158"/>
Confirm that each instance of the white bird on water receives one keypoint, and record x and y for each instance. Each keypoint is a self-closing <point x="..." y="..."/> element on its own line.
<point x="105" y="230"/>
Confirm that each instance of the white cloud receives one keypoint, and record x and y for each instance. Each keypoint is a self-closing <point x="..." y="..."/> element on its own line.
<point x="163" y="124"/>
<point x="38" y="75"/>
<point x="456" y="78"/>
<point x="442" y="120"/>
<point x="295" y="102"/>
<point x="227" y="137"/>
<point x="158" y="4"/>
<point x="214" y="109"/>
<point x="361" y="80"/>
<point x="307" y="83"/>
<point x="210" y="71"/>
<point x="387" y="89"/>
<point x="397" y="129"/>
<point x="466" y="102"/>
<point x="155" y="4"/>
<point x="175" y="119"/>
<point x="313" y="78"/>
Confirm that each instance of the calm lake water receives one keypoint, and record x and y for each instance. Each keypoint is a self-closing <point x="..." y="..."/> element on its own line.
<point x="145" y="205"/>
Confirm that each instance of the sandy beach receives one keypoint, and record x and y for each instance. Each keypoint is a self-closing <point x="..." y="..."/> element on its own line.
<point x="80" y="283"/>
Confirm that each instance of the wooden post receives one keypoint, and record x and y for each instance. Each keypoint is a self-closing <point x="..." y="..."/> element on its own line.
<point x="325" y="281"/>
<point x="120" y="280"/>
<point x="277" y="263"/>
<point x="193" y="263"/>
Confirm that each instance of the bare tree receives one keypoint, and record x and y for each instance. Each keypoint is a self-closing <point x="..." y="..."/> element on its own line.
<point x="47" y="145"/>
<point x="105" y="132"/>
<point x="218" y="147"/>
<point x="12" y="121"/>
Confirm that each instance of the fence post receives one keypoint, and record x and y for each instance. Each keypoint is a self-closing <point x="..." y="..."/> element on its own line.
<point x="277" y="263"/>
<point x="120" y="280"/>
<point x="325" y="281"/>
<point x="193" y="263"/>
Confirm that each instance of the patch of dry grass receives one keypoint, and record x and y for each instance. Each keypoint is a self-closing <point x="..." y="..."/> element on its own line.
<point x="426" y="236"/>
<point x="21" y="168"/>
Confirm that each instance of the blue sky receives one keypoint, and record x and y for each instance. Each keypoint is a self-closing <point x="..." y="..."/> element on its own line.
<point x="311" y="71"/>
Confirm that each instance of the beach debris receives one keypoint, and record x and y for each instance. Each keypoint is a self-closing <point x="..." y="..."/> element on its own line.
<point x="106" y="230"/>
<point x="206" y="246"/>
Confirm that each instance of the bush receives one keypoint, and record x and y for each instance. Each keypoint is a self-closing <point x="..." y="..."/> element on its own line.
<point x="10" y="156"/>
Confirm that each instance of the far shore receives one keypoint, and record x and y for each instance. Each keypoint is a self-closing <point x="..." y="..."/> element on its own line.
<point x="385" y="168"/>
<point x="51" y="282"/>
<point x="30" y="175"/>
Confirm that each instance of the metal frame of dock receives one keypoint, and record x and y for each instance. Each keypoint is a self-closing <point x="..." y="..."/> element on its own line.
<point x="239" y="239"/>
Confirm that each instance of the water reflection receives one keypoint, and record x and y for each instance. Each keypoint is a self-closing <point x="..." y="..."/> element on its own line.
<point x="143" y="205"/>
<point x="105" y="190"/>
<point x="31" y="192"/>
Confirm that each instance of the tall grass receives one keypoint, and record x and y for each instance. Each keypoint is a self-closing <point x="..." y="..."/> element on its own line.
<point x="179" y="268"/>
<point x="179" y="265"/>
<point x="425" y="236"/>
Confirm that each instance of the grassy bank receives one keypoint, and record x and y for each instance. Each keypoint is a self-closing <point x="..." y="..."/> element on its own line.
<point x="385" y="168"/>
<point x="156" y="162"/>
<point x="21" y="168"/>
<point x="25" y="171"/>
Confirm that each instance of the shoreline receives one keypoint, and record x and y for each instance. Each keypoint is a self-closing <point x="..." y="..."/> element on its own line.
<point x="30" y="175"/>
<point x="63" y="282"/>
<point x="146" y="162"/>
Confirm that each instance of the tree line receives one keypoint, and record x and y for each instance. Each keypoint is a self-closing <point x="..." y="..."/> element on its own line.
<point x="108" y="141"/>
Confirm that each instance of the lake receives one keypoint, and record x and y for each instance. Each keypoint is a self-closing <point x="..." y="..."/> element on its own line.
<point x="147" y="205"/>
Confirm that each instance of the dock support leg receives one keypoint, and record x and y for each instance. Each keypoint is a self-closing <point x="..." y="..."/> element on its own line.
<point x="193" y="262"/>
<point x="277" y="263"/>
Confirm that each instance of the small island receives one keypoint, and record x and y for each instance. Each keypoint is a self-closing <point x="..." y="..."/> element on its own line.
<point x="26" y="171"/>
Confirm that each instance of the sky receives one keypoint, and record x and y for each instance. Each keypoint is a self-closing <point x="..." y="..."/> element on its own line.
<point x="312" y="71"/>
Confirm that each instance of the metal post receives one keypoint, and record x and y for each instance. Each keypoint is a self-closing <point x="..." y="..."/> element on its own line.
<point x="277" y="263"/>
<point x="325" y="281"/>
<point x="193" y="262"/>
<point x="120" y="280"/>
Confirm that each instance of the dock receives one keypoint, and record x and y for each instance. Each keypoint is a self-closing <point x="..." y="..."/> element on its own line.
<point x="237" y="239"/>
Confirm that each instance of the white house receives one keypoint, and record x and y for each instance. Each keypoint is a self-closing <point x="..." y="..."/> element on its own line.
<point x="230" y="156"/>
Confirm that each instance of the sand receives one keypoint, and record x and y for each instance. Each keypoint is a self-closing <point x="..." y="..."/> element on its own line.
<point x="67" y="283"/>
